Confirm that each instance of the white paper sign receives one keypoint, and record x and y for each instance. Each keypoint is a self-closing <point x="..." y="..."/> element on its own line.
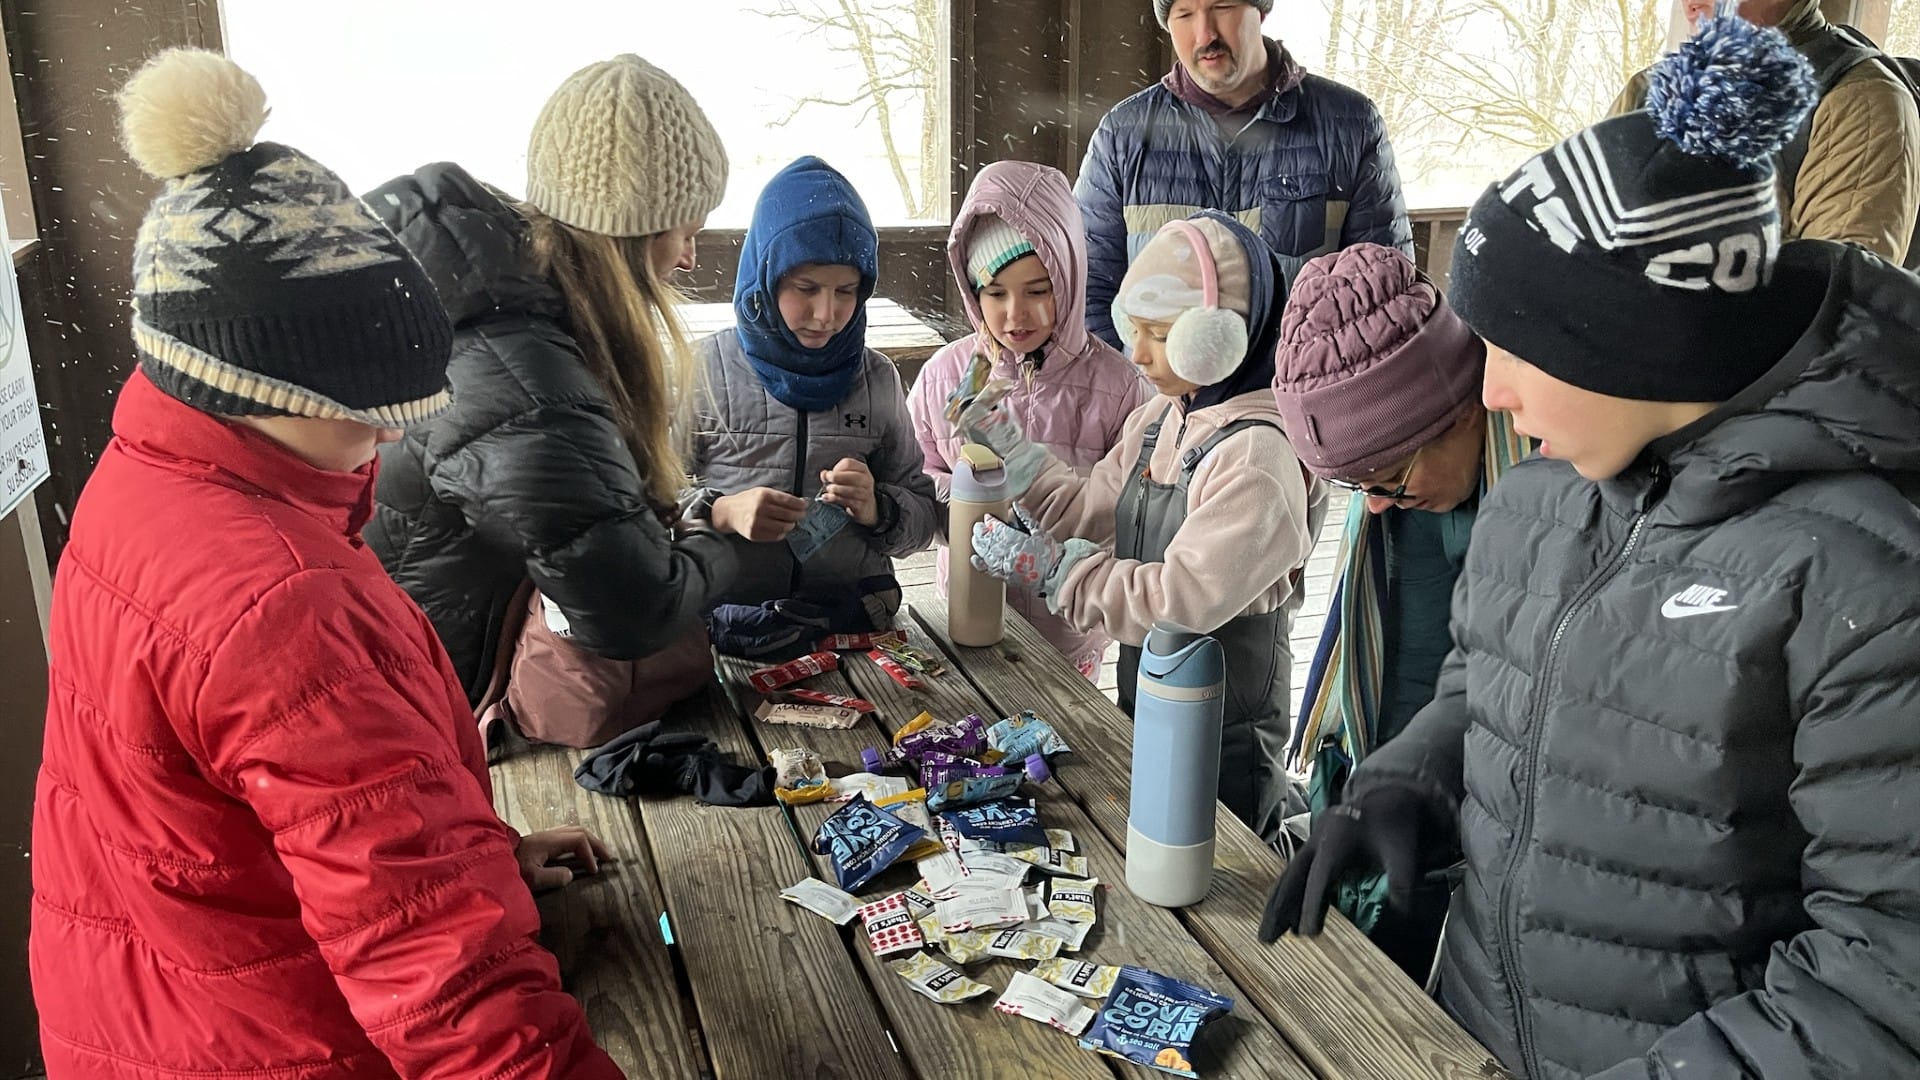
<point x="23" y="446"/>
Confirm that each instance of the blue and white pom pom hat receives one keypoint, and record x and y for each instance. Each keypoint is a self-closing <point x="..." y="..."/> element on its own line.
<point x="1633" y="259"/>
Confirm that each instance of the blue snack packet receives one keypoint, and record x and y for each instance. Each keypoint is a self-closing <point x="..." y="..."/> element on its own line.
<point x="823" y="522"/>
<point x="861" y="839"/>
<point x="1151" y="1019"/>
<point x="1003" y="821"/>
<point x="973" y="790"/>
<point x="1021" y="737"/>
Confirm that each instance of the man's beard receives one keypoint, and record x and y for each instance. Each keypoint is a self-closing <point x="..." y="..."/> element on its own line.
<point x="1212" y="84"/>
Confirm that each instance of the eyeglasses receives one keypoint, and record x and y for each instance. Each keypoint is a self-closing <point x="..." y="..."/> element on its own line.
<point x="1377" y="491"/>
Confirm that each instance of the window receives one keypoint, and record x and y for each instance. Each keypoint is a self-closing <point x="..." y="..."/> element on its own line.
<point x="376" y="88"/>
<point x="1470" y="88"/>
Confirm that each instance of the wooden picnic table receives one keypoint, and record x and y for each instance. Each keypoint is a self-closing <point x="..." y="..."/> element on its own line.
<point x="891" y="329"/>
<point x="755" y="987"/>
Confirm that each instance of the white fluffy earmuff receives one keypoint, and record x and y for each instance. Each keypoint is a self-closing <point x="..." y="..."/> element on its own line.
<point x="1207" y="343"/>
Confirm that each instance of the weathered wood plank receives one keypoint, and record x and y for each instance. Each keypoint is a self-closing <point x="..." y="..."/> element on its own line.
<point x="1338" y="1000"/>
<point x="776" y="990"/>
<point x="601" y="927"/>
<point x="968" y="1039"/>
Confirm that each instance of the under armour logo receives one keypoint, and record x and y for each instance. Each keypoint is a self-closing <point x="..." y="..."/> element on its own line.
<point x="1473" y="239"/>
<point x="858" y="420"/>
<point x="1695" y="600"/>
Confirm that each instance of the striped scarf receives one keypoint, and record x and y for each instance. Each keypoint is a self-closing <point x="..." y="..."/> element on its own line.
<point x="1342" y="703"/>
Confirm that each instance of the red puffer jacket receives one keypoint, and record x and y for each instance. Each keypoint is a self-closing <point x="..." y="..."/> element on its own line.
<point x="264" y="843"/>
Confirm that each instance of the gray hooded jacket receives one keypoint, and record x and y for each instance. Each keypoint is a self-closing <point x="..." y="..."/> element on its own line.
<point x="1680" y="730"/>
<point x="744" y="438"/>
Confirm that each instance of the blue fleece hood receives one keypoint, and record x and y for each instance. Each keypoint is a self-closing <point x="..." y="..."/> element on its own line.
<point x="1266" y="300"/>
<point x="808" y="213"/>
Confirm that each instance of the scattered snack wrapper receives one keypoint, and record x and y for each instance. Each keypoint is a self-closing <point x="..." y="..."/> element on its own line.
<point x="768" y="679"/>
<point x="1004" y="821"/>
<point x="1018" y="944"/>
<point x="911" y="807"/>
<point x="1072" y="935"/>
<point x="1078" y="976"/>
<point x="1151" y="1019"/>
<point x="872" y="639"/>
<point x="981" y="908"/>
<point x="822" y="899"/>
<point x="821" y="523"/>
<point x="1037" y="1000"/>
<point x="817" y="716"/>
<point x="934" y="980"/>
<point x="1018" y="737"/>
<point x="861" y="840"/>
<point x="1073" y="900"/>
<point x="890" y="926"/>
<point x="873" y="785"/>
<point x="803" y="696"/>
<point x="799" y="776"/>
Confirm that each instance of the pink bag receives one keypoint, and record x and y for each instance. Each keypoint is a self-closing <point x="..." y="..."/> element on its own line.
<point x="560" y="693"/>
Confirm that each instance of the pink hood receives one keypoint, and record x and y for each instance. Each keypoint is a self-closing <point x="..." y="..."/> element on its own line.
<point x="1037" y="201"/>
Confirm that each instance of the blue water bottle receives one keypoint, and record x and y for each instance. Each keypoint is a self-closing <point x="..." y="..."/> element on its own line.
<point x="1178" y="702"/>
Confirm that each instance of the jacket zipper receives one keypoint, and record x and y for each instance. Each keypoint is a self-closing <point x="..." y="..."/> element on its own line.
<point x="1509" y="906"/>
<point x="799" y="485"/>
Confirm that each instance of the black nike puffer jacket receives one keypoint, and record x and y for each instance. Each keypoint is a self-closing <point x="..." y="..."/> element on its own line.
<point x="527" y="476"/>
<point x="1680" y="730"/>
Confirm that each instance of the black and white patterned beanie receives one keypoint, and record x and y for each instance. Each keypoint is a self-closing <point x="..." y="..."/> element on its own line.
<point x="262" y="286"/>
<point x="1634" y="258"/>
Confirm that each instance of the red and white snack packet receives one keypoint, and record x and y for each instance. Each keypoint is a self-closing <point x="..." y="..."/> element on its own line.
<point x="890" y="926"/>
<point x="767" y="679"/>
<point x="1037" y="1000"/>
<point x="871" y="640"/>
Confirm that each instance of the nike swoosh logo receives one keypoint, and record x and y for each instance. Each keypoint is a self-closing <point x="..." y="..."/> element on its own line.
<point x="1672" y="609"/>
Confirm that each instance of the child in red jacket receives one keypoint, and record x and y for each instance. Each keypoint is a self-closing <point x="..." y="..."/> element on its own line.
<point x="264" y="841"/>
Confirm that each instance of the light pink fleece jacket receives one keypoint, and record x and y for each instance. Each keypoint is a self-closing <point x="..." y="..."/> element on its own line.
<point x="1245" y="534"/>
<point x="1075" y="404"/>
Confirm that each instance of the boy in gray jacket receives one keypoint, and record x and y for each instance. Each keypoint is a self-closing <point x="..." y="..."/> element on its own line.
<point x="798" y="421"/>
<point x="1677" y="738"/>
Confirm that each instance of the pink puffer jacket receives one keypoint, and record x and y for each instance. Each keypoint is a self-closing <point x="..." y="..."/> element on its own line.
<point x="1074" y="402"/>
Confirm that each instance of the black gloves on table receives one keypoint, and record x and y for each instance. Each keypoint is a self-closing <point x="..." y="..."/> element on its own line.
<point x="1388" y="826"/>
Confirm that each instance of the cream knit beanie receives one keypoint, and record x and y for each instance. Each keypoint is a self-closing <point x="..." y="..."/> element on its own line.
<point x="622" y="149"/>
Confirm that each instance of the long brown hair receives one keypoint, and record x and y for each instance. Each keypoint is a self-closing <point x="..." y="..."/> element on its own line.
<point x="622" y="316"/>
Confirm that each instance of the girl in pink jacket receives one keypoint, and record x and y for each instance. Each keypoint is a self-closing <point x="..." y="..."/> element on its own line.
<point x="1201" y="515"/>
<point x="1019" y="251"/>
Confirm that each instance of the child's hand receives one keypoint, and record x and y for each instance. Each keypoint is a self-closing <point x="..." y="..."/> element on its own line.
<point x="544" y="857"/>
<point x="762" y="515"/>
<point x="849" y="485"/>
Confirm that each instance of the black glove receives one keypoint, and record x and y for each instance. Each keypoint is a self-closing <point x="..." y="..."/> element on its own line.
<point x="1387" y="827"/>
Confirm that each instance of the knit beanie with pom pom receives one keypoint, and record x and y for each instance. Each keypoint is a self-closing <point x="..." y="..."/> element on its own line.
<point x="1634" y="259"/>
<point x="261" y="285"/>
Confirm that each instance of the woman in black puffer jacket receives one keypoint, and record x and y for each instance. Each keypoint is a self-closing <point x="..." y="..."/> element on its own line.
<point x="559" y="461"/>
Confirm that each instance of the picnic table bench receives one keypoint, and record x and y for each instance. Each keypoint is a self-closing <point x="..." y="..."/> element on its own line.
<point x="689" y="964"/>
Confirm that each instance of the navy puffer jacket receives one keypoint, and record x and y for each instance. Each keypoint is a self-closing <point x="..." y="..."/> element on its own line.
<point x="1680" y="729"/>
<point x="1312" y="172"/>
